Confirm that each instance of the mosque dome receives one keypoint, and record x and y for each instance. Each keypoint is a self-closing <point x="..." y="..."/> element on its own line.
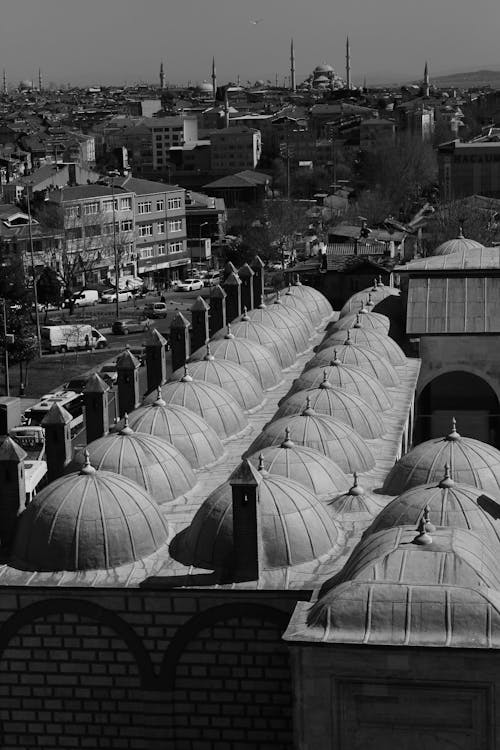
<point x="355" y="500"/>
<point x="148" y="460"/>
<point x="300" y="315"/>
<point x="295" y="528"/>
<point x="371" y="321"/>
<point x="205" y="87"/>
<point x="313" y="298"/>
<point x="471" y="462"/>
<point x="370" y="297"/>
<point x="371" y="362"/>
<point x="236" y="380"/>
<point x="93" y="520"/>
<point x="310" y="468"/>
<point x="265" y="335"/>
<point x="187" y="431"/>
<point x="287" y="321"/>
<point x="26" y="85"/>
<point x="294" y="300"/>
<point x="325" y="434"/>
<point x="323" y="68"/>
<point x="377" y="342"/>
<point x="334" y="402"/>
<point x="213" y="404"/>
<point x="251" y="356"/>
<point x="460" y="244"/>
<point x="349" y="378"/>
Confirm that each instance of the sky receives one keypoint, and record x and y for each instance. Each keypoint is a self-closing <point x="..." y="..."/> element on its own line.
<point x="123" y="41"/>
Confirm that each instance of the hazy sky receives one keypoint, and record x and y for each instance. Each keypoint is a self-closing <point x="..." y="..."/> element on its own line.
<point x="117" y="41"/>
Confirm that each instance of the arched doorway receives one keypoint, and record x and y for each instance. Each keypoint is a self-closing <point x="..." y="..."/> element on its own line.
<point x="462" y="395"/>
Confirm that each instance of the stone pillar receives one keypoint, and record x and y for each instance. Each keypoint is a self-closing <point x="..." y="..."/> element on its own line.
<point x="232" y="287"/>
<point x="258" y="281"/>
<point x="229" y="268"/>
<point x="96" y="405"/>
<point x="247" y="537"/>
<point x="57" y="426"/>
<point x="199" y="324"/>
<point x="127" y="367"/>
<point x="156" y="364"/>
<point x="180" y="340"/>
<point x="246" y="275"/>
<point x="218" y="317"/>
<point x="13" y="496"/>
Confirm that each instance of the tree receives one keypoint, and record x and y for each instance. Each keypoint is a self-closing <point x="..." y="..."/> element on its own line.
<point x="25" y="345"/>
<point x="461" y="215"/>
<point x="48" y="287"/>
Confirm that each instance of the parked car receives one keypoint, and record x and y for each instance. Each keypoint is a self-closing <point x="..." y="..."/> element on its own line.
<point x="156" y="310"/>
<point x="110" y="296"/>
<point x="189" y="285"/>
<point x="212" y="278"/>
<point x="129" y="325"/>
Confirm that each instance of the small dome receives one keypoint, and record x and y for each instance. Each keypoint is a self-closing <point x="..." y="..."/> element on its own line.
<point x="460" y="244"/>
<point x="325" y="434"/>
<point x="188" y="432"/>
<point x="298" y="303"/>
<point x="471" y="462"/>
<point x="213" y="404"/>
<point x="148" y="460"/>
<point x="93" y="520"/>
<point x="334" y="402"/>
<point x="205" y="87"/>
<point x="236" y="380"/>
<point x="370" y="297"/>
<point x="349" y="378"/>
<point x="355" y="501"/>
<point x="313" y="298"/>
<point x="296" y="314"/>
<point x="296" y="528"/>
<point x="371" y="362"/>
<point x="371" y="321"/>
<point x="280" y="346"/>
<point x="251" y="356"/>
<point x="288" y="324"/>
<point x="310" y="468"/>
<point x="377" y="342"/>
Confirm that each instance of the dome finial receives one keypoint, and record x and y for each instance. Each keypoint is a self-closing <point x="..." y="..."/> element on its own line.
<point x="287" y="443"/>
<point x="370" y="301"/>
<point x="209" y="357"/>
<point x="454" y="435"/>
<point x="229" y="334"/>
<point x="379" y="280"/>
<point x="446" y="481"/>
<point x="159" y="399"/>
<point x="429" y="527"/>
<point x="261" y="462"/>
<point x="348" y="341"/>
<point x="308" y="411"/>
<point x="126" y="429"/>
<point x="357" y="324"/>
<point x="374" y="285"/>
<point x="460" y="232"/>
<point x="423" y="537"/>
<point x="87" y="468"/>
<point x="245" y="316"/>
<point x="335" y="362"/>
<point x="356" y="488"/>
<point x="186" y="378"/>
<point x="324" y="383"/>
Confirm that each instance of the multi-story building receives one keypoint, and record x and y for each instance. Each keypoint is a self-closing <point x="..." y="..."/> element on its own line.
<point x="235" y="149"/>
<point x="376" y="133"/>
<point x="469" y="169"/>
<point x="167" y="132"/>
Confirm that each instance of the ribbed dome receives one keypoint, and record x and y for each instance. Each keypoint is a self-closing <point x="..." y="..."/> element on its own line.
<point x="286" y="322"/>
<point x="356" y="500"/>
<point x="236" y="380"/>
<point x="267" y="336"/>
<point x="294" y="312"/>
<point x="216" y="406"/>
<point x="471" y="462"/>
<point x="349" y="378"/>
<point x="310" y="468"/>
<point x="188" y="432"/>
<point x="148" y="460"/>
<point x="460" y="244"/>
<point x="325" y="434"/>
<point x="93" y="520"/>
<point x="326" y="399"/>
<point x="352" y="354"/>
<point x="377" y="342"/>
<point x="253" y="357"/>
<point x="313" y="298"/>
<point x="298" y="303"/>
<point x="295" y="527"/>
<point x="370" y="297"/>
<point x="371" y="321"/>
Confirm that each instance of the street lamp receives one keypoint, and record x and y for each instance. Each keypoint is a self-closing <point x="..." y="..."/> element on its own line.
<point x="203" y="224"/>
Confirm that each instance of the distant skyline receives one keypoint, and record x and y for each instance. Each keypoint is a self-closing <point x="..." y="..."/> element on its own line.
<point x="87" y="42"/>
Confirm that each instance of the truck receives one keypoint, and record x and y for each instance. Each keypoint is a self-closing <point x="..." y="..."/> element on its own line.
<point x="65" y="338"/>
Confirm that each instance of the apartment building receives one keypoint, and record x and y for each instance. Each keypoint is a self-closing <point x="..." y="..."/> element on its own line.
<point x="235" y="149"/>
<point x="469" y="169"/>
<point x="170" y="131"/>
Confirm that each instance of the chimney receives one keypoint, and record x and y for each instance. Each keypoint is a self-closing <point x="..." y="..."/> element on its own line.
<point x="57" y="426"/>
<point x="247" y="538"/>
<point x="156" y="364"/>
<point x="127" y="367"/>
<point x="217" y="319"/>
<point x="258" y="281"/>
<point x="12" y="481"/>
<point x="180" y="340"/>
<point x="232" y="287"/>
<point x="96" y="405"/>
<point x="199" y="324"/>
<point x="246" y="275"/>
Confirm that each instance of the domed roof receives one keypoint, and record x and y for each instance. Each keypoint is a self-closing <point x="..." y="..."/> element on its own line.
<point x="349" y="378"/>
<point x="444" y="503"/>
<point x="310" y="468"/>
<point x="471" y="462"/>
<point x="348" y="408"/>
<point x="367" y="319"/>
<point x="460" y="244"/>
<point x="325" y="434"/>
<point x="205" y="87"/>
<point x="236" y="380"/>
<point x="299" y="303"/>
<point x="321" y="80"/>
<point x="280" y="346"/>
<point x="258" y="360"/>
<point x="355" y="500"/>
<point x="370" y="297"/>
<point x="323" y="68"/>
<point x="313" y="297"/>
<point x="146" y="459"/>
<point x="287" y="321"/>
<point x="295" y="528"/>
<point x="371" y="362"/>
<point x="188" y="432"/>
<point x="377" y="342"/>
<point x="298" y="312"/>
<point x="216" y="406"/>
<point x="93" y="520"/>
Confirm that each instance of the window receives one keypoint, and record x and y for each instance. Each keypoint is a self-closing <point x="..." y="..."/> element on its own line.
<point x="160" y="205"/>
<point x="144" y="207"/>
<point x="74" y="233"/>
<point x="175" y="225"/>
<point x="90" y="208"/>
<point x="174" y="203"/>
<point x="158" y="137"/>
<point x="109" y="205"/>
<point x="108" y="228"/>
<point x="72" y="211"/>
<point x="175" y="247"/>
<point x="160" y="227"/>
<point x="127" y="225"/>
<point x="92" y="230"/>
<point x="146" y="252"/>
<point x="161" y="248"/>
<point x="125" y="204"/>
<point x="145" y="230"/>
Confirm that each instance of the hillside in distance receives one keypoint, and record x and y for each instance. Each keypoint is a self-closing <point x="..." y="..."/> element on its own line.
<point x="471" y="79"/>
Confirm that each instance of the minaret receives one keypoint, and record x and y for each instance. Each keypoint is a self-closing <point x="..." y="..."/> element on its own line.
<point x="292" y="67"/>
<point x="426" y="86"/>
<point x="40" y="81"/>
<point x="162" y="76"/>
<point x="347" y="65"/>
<point x="214" y="79"/>
<point x="4" y="88"/>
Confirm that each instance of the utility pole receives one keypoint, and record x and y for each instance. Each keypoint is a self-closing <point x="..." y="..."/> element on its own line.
<point x="35" y="290"/>
<point x="6" y="353"/>
<point x="115" y="250"/>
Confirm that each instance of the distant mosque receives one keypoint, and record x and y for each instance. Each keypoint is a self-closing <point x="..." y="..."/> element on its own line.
<point x="324" y="77"/>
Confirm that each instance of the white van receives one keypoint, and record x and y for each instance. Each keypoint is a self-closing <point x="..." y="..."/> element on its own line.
<point x="86" y="297"/>
<point x="67" y="338"/>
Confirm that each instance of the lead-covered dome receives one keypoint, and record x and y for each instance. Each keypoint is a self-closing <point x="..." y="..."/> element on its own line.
<point x="187" y="431"/>
<point x="370" y="297"/>
<point x="471" y="462"/>
<point x="325" y="434"/>
<point x="367" y="319"/>
<point x="279" y="345"/>
<point x="351" y="354"/>
<point x="236" y="380"/>
<point x="286" y="322"/>
<point x="149" y="461"/>
<point x="289" y="299"/>
<point x="94" y="520"/>
<point x="313" y="299"/>
<point x="355" y="502"/>
<point x="251" y="356"/>
<point x="377" y="342"/>
<point x="459" y="245"/>
<point x="295" y="313"/>
<point x="213" y="404"/>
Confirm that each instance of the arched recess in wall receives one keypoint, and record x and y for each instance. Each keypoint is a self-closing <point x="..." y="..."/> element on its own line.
<point x="464" y="395"/>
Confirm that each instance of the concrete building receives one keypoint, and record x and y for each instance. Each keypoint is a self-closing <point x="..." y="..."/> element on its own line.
<point x="167" y="132"/>
<point x="376" y="133"/>
<point x="235" y="149"/>
<point x="469" y="169"/>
